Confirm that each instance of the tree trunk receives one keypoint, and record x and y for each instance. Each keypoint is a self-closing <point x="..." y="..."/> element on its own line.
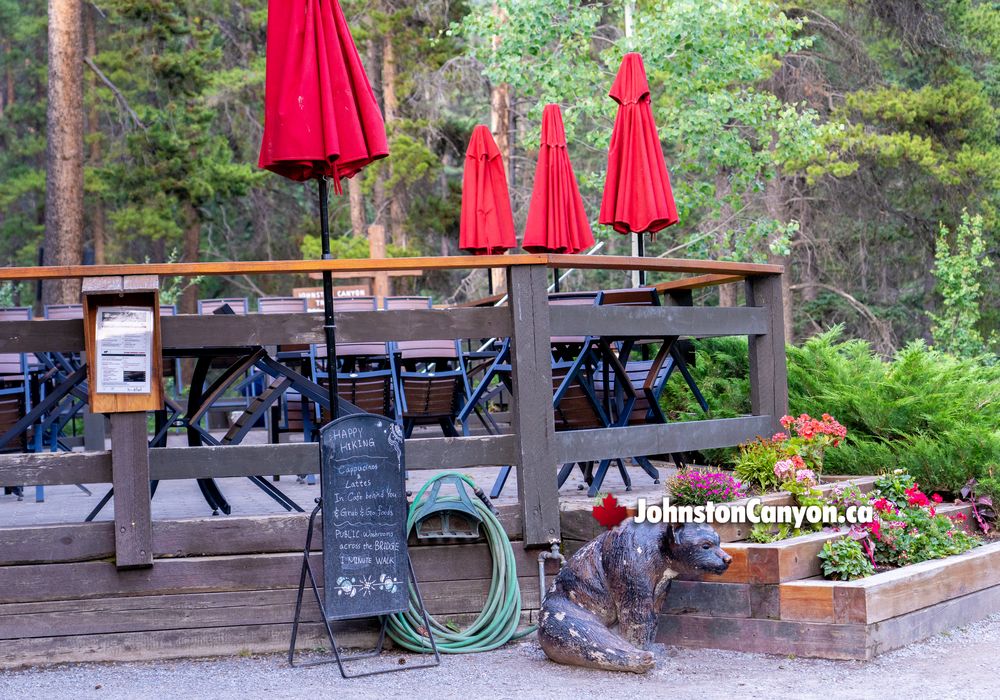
<point x="397" y="207"/>
<point x="6" y="97"/>
<point x="356" y="199"/>
<point x="775" y="196"/>
<point x="192" y="248"/>
<point x="96" y="207"/>
<point x="64" y="151"/>
<point x="723" y="189"/>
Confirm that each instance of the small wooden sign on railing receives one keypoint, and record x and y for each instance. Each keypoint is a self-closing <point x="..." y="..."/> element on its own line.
<point x="121" y="328"/>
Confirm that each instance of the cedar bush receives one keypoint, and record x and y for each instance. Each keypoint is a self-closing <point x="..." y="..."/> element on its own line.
<point x="931" y="414"/>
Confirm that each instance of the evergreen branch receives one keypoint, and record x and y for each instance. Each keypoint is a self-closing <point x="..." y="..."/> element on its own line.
<point x="117" y="93"/>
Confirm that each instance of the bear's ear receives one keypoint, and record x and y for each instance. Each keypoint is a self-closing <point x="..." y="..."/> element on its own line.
<point x="675" y="532"/>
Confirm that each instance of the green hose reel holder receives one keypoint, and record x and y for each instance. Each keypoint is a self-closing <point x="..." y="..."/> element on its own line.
<point x="447" y="517"/>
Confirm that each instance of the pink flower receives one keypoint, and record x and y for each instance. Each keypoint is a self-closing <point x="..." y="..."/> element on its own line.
<point x="937" y="498"/>
<point x="806" y="476"/>
<point x="784" y="470"/>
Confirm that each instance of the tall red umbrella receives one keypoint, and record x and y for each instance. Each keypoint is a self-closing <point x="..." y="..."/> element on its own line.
<point x="486" y="226"/>
<point x="321" y="119"/>
<point x="557" y="222"/>
<point x="637" y="195"/>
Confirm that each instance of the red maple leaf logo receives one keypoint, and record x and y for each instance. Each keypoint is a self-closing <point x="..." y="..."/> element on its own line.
<point x="608" y="513"/>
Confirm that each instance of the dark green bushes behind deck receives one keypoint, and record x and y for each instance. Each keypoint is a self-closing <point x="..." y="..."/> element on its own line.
<point x="934" y="415"/>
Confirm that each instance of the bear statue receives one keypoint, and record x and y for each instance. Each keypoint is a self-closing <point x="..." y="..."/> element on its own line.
<point x="622" y="577"/>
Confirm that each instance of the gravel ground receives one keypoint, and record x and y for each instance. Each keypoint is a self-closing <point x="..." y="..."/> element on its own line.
<point x="960" y="664"/>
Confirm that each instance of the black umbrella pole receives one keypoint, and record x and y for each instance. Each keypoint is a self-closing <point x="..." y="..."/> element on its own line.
<point x="642" y="273"/>
<point x="555" y="280"/>
<point x="329" y="323"/>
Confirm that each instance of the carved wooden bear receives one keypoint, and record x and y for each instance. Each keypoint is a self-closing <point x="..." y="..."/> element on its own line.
<point x="621" y="576"/>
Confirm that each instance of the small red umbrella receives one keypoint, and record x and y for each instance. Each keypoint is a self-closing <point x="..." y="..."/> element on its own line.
<point x="321" y="119"/>
<point x="637" y="195"/>
<point x="486" y="226"/>
<point x="557" y="222"/>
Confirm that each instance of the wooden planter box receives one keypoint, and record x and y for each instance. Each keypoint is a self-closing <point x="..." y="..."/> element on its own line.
<point x="757" y="607"/>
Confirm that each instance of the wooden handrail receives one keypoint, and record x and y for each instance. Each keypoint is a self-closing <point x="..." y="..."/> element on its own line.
<point x="459" y="262"/>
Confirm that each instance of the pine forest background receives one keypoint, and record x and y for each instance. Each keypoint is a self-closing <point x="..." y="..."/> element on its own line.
<point x="857" y="143"/>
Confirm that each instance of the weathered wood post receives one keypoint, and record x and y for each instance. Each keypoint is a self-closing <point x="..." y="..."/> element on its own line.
<point x="532" y="419"/>
<point x="121" y="317"/>
<point x="768" y="371"/>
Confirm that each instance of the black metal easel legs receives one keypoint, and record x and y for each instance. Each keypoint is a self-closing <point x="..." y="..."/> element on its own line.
<point x="339" y="658"/>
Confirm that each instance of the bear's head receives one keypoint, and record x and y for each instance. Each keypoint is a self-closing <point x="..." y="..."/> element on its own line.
<point x="695" y="547"/>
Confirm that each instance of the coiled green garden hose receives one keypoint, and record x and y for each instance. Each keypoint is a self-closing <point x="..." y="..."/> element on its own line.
<point x="496" y="624"/>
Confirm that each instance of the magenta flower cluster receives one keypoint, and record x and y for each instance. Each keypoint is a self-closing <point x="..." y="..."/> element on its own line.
<point x="697" y="487"/>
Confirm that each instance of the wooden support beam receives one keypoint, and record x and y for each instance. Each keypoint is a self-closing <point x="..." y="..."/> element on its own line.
<point x="533" y="421"/>
<point x="768" y="369"/>
<point x="637" y="440"/>
<point x="130" y="477"/>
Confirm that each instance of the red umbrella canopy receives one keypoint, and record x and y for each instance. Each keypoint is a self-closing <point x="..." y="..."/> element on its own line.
<point x="320" y="113"/>
<point x="487" y="224"/>
<point x="557" y="222"/>
<point x="637" y="194"/>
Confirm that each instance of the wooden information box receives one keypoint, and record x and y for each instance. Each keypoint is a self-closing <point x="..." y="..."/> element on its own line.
<point x="121" y="318"/>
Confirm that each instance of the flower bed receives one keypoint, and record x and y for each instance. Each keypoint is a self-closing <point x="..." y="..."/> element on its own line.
<point x="773" y="598"/>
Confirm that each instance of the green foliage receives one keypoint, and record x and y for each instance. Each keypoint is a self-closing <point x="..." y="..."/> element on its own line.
<point x="929" y="413"/>
<point x="344" y="247"/>
<point x="960" y="270"/>
<point x="989" y="486"/>
<point x="705" y="61"/>
<point x="755" y="464"/>
<point x="845" y="560"/>
<point x="933" y="415"/>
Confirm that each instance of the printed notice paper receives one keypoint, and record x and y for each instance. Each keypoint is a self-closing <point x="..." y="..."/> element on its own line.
<point x="124" y="350"/>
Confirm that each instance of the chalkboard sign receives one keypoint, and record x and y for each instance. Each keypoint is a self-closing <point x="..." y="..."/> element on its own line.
<point x="365" y="565"/>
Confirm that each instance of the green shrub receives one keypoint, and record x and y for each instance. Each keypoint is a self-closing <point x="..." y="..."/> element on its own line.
<point x="931" y="414"/>
<point x="990" y="486"/>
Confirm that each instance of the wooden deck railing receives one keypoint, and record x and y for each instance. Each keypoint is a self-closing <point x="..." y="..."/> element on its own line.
<point x="534" y="446"/>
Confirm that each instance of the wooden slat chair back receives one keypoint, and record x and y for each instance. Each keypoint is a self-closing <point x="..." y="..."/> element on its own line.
<point x="15" y="313"/>
<point x="572" y="299"/>
<point x="354" y="350"/>
<point x="13" y="365"/>
<point x="427" y="397"/>
<point x="285" y="305"/>
<point x="282" y="305"/>
<point x="405" y="303"/>
<point x="365" y="377"/>
<point x="64" y="312"/>
<point x="239" y="305"/>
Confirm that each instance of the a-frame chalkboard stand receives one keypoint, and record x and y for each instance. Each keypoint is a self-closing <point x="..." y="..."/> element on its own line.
<point x="339" y="658"/>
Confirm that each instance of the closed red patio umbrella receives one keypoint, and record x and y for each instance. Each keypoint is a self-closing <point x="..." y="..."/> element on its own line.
<point x="557" y="222"/>
<point x="637" y="194"/>
<point x="321" y="119"/>
<point x="486" y="226"/>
